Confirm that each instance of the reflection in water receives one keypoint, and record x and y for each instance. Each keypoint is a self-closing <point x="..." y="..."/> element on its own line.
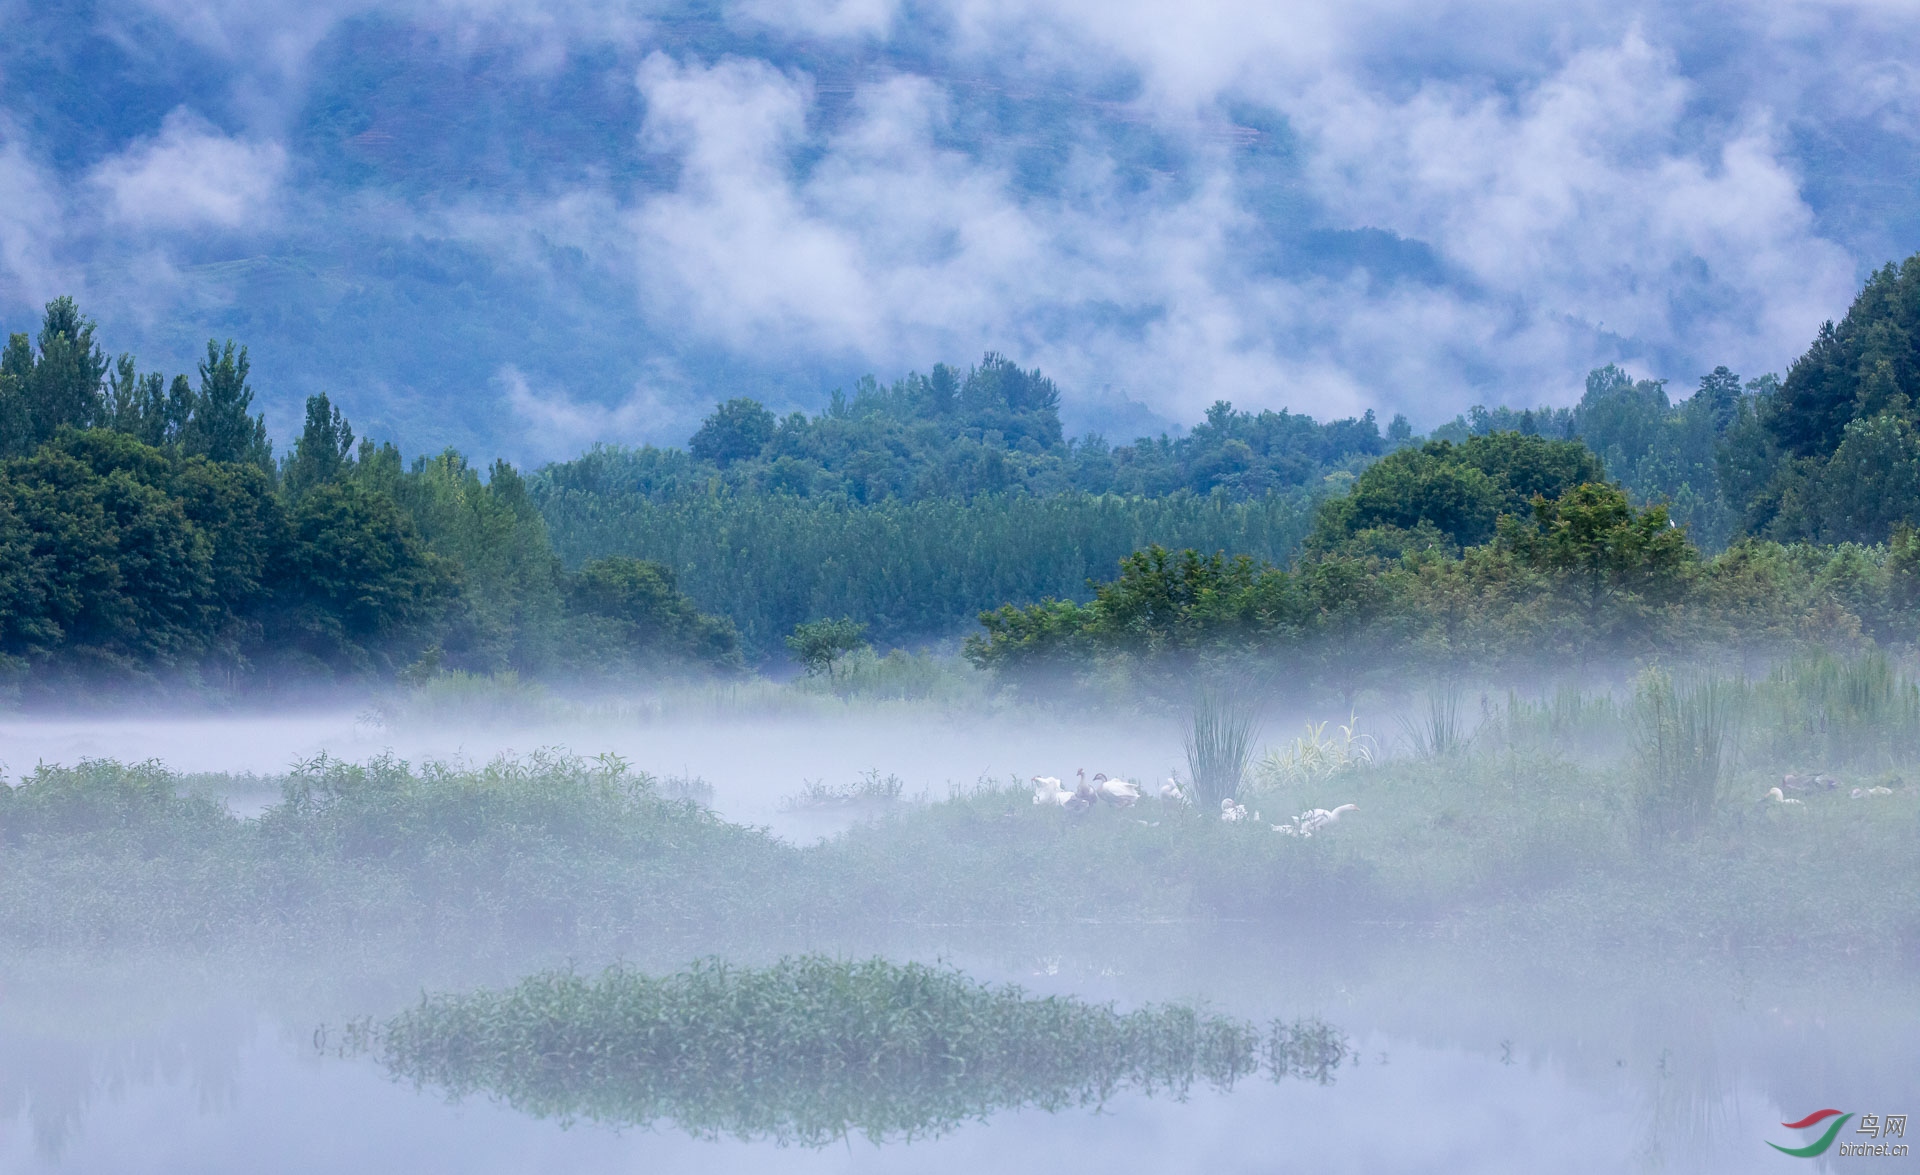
<point x="812" y="1049"/>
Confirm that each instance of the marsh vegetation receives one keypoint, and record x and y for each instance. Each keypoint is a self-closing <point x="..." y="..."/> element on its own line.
<point x="811" y="1049"/>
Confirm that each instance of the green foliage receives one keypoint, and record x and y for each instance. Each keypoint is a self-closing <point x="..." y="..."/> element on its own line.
<point x="994" y="431"/>
<point x="324" y="451"/>
<point x="1865" y="366"/>
<point x="509" y="613"/>
<point x="1829" y="454"/>
<point x="356" y="589"/>
<point x="1443" y="496"/>
<point x="118" y="579"/>
<point x="819" y="645"/>
<point x="64" y="385"/>
<point x="155" y="546"/>
<point x="102" y="798"/>
<point x="737" y="430"/>
<point x="1618" y="563"/>
<point x="1589" y="575"/>
<point x="218" y="427"/>
<point x="628" y="613"/>
<point x="905" y="569"/>
<point x="813" y="1049"/>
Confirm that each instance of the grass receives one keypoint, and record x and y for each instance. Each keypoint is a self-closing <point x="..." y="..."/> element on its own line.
<point x="812" y="1049"/>
<point x="870" y="788"/>
<point x="1438" y="730"/>
<point x="1219" y="743"/>
<point x="1680" y="741"/>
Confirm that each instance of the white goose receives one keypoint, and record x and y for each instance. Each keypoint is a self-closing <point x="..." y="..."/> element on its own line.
<point x="1047" y="790"/>
<point x="1777" y="796"/>
<point x="1170" y="790"/>
<point x="1319" y="818"/>
<point x="1231" y="812"/>
<point x="1123" y="792"/>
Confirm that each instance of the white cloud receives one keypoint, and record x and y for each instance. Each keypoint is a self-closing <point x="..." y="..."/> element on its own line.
<point x="1588" y="200"/>
<point x="554" y="426"/>
<point x="33" y="223"/>
<point x="1597" y="182"/>
<point x="820" y="18"/>
<point x="191" y="176"/>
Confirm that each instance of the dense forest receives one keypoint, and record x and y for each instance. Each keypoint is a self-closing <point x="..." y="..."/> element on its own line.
<point x="148" y="537"/>
<point x="152" y="537"/>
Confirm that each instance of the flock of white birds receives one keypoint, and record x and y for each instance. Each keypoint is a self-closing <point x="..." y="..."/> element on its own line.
<point x="1124" y="793"/>
<point x="1816" y="783"/>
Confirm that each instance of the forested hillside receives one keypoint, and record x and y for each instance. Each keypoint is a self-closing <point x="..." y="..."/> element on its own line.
<point x="151" y="534"/>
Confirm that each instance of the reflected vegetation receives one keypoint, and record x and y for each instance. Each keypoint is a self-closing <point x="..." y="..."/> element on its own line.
<point x="812" y="1049"/>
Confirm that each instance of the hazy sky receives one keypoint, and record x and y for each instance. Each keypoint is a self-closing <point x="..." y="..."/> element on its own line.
<point x="525" y="227"/>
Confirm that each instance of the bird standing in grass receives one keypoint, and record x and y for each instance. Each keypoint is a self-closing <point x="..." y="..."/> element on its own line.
<point x="1122" y="792"/>
<point x="1083" y="797"/>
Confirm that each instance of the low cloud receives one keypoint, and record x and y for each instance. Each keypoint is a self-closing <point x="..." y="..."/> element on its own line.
<point x="551" y="425"/>
<point x="1588" y="201"/>
<point x="191" y="176"/>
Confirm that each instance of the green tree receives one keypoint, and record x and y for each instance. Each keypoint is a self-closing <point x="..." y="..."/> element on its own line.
<point x="324" y="451"/>
<point x="355" y="590"/>
<point x="65" y="386"/>
<point x="1868" y="364"/>
<point x="628" y="614"/>
<point x="819" y="645"/>
<point x="737" y="429"/>
<point x="1616" y="563"/>
<point x="124" y="579"/>
<point x="1441" y="493"/>
<point x="16" y="416"/>
<point x="219" y="427"/>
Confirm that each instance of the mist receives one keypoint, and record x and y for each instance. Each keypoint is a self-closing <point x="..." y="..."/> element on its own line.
<point x="859" y="586"/>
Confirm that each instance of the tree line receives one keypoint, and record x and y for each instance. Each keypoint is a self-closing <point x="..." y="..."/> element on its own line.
<point x="150" y="531"/>
<point x="148" y="536"/>
<point x="1504" y="553"/>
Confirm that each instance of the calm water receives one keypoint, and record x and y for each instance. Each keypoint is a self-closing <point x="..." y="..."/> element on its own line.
<point x="1453" y="1073"/>
<point x="1466" y="1061"/>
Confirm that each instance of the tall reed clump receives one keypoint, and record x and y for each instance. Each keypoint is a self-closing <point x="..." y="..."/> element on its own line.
<point x="1680" y="735"/>
<point x="1824" y="711"/>
<point x="1219" y="742"/>
<point x="1438" y="731"/>
<point x="812" y="1049"/>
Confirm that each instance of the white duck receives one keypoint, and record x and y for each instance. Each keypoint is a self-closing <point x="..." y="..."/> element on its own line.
<point x="1777" y="796"/>
<point x="1231" y="812"/>
<point x="1047" y="790"/>
<point x="1170" y="790"/>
